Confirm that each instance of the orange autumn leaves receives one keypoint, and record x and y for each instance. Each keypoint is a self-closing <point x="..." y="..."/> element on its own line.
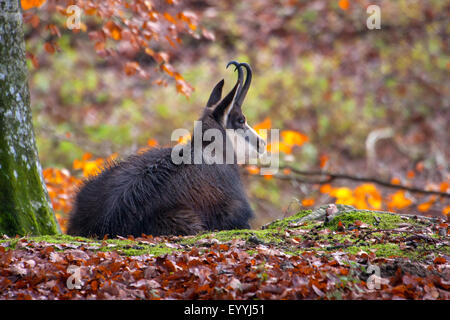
<point x="91" y="167"/>
<point x="288" y="138"/>
<point x="110" y="28"/>
<point x="29" y="4"/>
<point x="344" y="4"/>
<point x="365" y="196"/>
<point x="62" y="186"/>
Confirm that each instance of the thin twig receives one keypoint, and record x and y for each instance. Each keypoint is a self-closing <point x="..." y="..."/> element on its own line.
<point x="331" y="176"/>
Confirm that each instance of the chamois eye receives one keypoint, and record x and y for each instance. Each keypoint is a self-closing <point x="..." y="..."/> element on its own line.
<point x="241" y="120"/>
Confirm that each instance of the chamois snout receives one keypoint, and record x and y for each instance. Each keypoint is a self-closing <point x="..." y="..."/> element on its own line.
<point x="261" y="146"/>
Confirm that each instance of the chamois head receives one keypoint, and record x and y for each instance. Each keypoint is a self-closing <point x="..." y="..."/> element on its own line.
<point x="227" y="114"/>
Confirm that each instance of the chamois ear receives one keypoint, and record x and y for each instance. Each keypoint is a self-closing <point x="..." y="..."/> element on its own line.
<point x="224" y="107"/>
<point x="216" y="94"/>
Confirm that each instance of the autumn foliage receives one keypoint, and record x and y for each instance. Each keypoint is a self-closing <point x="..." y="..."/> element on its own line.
<point x="213" y="269"/>
<point x="126" y="29"/>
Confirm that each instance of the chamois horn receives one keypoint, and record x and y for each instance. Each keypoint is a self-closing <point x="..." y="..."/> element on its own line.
<point x="240" y="75"/>
<point x="240" y="96"/>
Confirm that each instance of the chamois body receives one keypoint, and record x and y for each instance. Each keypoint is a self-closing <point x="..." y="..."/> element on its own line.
<point x="150" y="194"/>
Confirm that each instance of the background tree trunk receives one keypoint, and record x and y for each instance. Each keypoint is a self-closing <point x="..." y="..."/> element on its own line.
<point x="25" y="206"/>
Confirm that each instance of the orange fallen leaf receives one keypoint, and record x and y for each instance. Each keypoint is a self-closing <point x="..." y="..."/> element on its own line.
<point x="293" y="138"/>
<point x="439" y="260"/>
<point x="113" y="30"/>
<point x="49" y="47"/>
<point x="268" y="176"/>
<point x="424" y="207"/>
<point x="308" y="202"/>
<point x="326" y="188"/>
<point x="131" y="67"/>
<point x="323" y="160"/>
<point x="184" y="139"/>
<point x="86" y="156"/>
<point x="152" y="142"/>
<point x="446" y="210"/>
<point x="342" y="192"/>
<point x="399" y="201"/>
<point x="90" y="11"/>
<point x="265" y="124"/>
<point x="252" y="169"/>
<point x="344" y="4"/>
<point x="278" y="147"/>
<point x="29" y="4"/>
<point x="169" y="17"/>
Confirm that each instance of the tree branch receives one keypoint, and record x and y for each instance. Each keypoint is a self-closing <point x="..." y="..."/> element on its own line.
<point x="329" y="177"/>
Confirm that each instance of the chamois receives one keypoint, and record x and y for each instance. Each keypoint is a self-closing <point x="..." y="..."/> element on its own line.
<point x="150" y="194"/>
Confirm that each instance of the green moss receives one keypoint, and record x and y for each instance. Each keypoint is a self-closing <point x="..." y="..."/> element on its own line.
<point x="137" y="249"/>
<point x="381" y="250"/>
<point x="123" y="246"/>
<point x="256" y="236"/>
<point x="393" y="250"/>
<point x="61" y="239"/>
<point x="284" y="223"/>
<point x="386" y="221"/>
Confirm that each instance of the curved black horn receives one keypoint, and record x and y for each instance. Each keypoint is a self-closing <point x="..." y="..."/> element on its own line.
<point x="240" y="75"/>
<point x="243" y="90"/>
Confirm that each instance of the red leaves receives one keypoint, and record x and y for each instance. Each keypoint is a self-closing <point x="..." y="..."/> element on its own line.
<point x="112" y="30"/>
<point x="122" y="30"/>
<point x="221" y="271"/>
<point x="439" y="260"/>
<point x="131" y="67"/>
<point x="49" y="47"/>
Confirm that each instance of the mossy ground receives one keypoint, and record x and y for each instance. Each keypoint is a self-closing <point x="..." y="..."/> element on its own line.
<point x="340" y="234"/>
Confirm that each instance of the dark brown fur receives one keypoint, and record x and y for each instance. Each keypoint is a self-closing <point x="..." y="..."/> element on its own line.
<point x="149" y="194"/>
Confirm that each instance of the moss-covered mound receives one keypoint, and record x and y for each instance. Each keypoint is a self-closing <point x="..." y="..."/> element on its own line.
<point x="343" y="228"/>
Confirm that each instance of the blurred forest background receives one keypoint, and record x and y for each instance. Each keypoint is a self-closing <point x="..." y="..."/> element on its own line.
<point x="354" y="101"/>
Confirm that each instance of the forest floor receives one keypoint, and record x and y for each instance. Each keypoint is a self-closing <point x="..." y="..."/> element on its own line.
<point x="333" y="252"/>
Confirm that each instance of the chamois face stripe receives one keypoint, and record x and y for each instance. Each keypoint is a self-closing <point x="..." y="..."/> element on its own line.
<point x="255" y="140"/>
<point x="247" y="143"/>
<point x="227" y="114"/>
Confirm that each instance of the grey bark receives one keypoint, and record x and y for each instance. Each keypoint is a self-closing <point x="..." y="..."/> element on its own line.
<point x="25" y="206"/>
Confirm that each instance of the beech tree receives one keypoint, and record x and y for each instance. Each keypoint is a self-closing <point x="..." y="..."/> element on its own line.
<point x="24" y="202"/>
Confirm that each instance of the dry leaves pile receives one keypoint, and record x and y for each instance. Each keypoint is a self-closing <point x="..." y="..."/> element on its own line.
<point x="212" y="270"/>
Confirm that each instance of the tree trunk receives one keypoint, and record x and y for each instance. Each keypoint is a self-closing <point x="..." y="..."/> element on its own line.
<point x="25" y="206"/>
